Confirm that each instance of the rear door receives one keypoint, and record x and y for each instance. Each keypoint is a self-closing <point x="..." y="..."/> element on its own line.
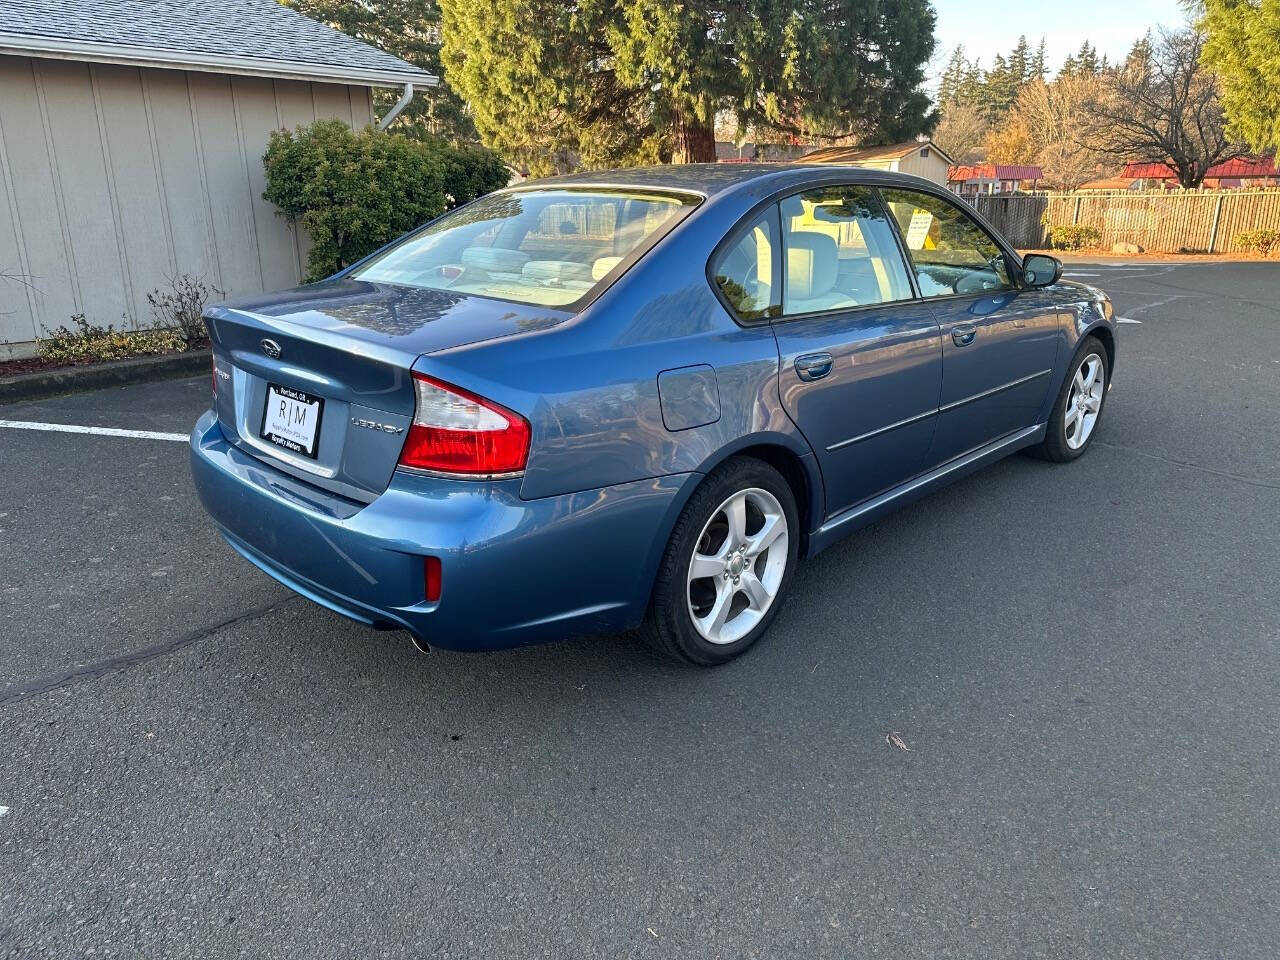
<point x="861" y="361"/>
<point x="999" y="342"/>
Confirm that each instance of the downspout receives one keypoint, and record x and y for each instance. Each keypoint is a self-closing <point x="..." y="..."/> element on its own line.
<point x="398" y="108"/>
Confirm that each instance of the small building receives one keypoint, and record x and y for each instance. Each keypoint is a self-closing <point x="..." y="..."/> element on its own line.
<point x="993" y="178"/>
<point x="1231" y="174"/>
<point x="1244" y="172"/>
<point x="1107" y="185"/>
<point x="923" y="158"/>
<point x="131" y="142"/>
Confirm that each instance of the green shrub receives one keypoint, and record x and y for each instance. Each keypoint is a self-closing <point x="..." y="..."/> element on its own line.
<point x="469" y="172"/>
<point x="87" y="343"/>
<point x="1075" y="237"/>
<point x="353" y="191"/>
<point x="1259" y="241"/>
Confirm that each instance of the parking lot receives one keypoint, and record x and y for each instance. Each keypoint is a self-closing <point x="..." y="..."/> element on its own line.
<point x="1083" y="662"/>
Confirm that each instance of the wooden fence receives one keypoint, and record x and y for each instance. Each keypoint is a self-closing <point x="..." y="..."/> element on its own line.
<point x="1191" y="221"/>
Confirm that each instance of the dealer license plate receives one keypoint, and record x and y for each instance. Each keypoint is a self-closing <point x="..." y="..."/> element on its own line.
<point x="292" y="419"/>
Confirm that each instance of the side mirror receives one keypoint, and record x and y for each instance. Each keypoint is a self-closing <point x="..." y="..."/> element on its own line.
<point x="1040" y="270"/>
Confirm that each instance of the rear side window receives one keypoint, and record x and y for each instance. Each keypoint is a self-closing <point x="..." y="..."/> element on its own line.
<point x="840" y="252"/>
<point x="546" y="247"/>
<point x="744" y="271"/>
<point x="950" y="251"/>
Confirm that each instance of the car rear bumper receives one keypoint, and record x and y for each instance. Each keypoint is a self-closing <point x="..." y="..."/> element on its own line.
<point x="513" y="571"/>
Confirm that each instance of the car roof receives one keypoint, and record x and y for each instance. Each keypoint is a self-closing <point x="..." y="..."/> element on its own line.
<point x="710" y="179"/>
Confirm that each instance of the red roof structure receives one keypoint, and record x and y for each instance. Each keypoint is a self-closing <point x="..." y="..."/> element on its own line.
<point x="1108" y="183"/>
<point x="994" y="171"/>
<point x="1240" y="168"/>
<point x="1146" y="171"/>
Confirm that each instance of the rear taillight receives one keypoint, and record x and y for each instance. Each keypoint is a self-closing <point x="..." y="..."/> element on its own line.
<point x="455" y="431"/>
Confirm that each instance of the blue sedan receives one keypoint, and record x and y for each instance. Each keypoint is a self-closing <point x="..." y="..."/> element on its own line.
<point x="634" y="399"/>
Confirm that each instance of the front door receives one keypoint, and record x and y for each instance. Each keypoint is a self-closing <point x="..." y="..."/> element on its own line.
<point x="861" y="362"/>
<point x="999" y="342"/>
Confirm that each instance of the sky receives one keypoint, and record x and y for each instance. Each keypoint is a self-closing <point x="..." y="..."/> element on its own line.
<point x="988" y="27"/>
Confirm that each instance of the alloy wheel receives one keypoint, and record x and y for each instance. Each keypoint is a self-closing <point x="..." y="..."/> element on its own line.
<point x="737" y="566"/>
<point x="1084" y="403"/>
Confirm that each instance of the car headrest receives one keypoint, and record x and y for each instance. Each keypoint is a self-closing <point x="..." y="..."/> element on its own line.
<point x="494" y="259"/>
<point x="812" y="264"/>
<point x="603" y="266"/>
<point x="556" y="270"/>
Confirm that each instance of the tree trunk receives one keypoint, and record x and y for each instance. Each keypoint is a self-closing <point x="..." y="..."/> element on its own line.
<point x="1187" y="171"/>
<point x="693" y="140"/>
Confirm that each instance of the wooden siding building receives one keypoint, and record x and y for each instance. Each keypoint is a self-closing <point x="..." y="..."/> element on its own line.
<point x="923" y="158"/>
<point x="131" y="142"/>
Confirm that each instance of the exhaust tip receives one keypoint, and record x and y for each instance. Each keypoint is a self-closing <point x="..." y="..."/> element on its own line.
<point x="419" y="643"/>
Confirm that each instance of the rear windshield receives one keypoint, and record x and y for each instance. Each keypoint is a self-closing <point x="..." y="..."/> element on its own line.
<point x="542" y="247"/>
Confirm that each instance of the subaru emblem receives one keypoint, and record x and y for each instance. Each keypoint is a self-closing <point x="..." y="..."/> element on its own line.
<point x="271" y="349"/>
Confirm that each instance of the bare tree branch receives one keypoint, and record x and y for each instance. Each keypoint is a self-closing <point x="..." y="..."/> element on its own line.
<point x="1162" y="107"/>
<point x="960" y="131"/>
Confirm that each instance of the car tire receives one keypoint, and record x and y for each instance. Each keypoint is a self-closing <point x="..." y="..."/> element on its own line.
<point x="1072" y="423"/>
<point x="742" y="528"/>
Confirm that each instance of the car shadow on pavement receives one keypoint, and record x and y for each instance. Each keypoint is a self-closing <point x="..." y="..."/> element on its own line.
<point x="853" y="636"/>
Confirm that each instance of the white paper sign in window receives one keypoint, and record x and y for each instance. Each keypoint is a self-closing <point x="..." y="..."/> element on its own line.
<point x="921" y="221"/>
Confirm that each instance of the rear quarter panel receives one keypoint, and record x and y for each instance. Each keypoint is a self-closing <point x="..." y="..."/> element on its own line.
<point x="590" y="387"/>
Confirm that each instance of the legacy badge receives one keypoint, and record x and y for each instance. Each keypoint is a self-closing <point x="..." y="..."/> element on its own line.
<point x="375" y="425"/>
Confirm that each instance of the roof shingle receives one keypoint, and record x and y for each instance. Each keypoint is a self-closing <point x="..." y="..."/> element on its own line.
<point x="856" y="155"/>
<point x="199" y="34"/>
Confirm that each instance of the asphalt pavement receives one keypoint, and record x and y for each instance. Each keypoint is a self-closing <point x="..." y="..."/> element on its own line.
<point x="1033" y="715"/>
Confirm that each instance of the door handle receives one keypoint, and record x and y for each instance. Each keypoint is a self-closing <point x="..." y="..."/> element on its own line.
<point x="813" y="366"/>
<point x="963" y="334"/>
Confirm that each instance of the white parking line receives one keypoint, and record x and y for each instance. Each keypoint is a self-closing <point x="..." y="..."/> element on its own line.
<point x="96" y="431"/>
<point x="1126" y="320"/>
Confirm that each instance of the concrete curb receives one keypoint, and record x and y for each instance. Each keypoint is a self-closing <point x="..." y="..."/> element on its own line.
<point x="114" y="373"/>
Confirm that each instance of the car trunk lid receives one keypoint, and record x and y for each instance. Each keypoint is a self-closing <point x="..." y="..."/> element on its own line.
<point x="316" y="380"/>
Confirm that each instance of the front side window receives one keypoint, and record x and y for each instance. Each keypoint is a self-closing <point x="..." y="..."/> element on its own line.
<point x="951" y="253"/>
<point x="545" y="247"/>
<point x="840" y="252"/>
<point x="744" y="270"/>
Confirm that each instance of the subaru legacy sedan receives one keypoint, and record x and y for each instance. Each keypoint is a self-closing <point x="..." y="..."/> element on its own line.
<point x="634" y="399"/>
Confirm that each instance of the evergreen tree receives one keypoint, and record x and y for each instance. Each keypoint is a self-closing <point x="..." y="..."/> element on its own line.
<point x="972" y="88"/>
<point x="1243" y="48"/>
<point x="1020" y="61"/>
<point x="954" y="75"/>
<point x="1039" y="66"/>
<point x="410" y="30"/>
<point x="1088" y="57"/>
<point x="1084" y="60"/>
<point x="604" y="82"/>
<point x="1140" y="53"/>
<point x="1000" y="88"/>
<point x="993" y="91"/>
